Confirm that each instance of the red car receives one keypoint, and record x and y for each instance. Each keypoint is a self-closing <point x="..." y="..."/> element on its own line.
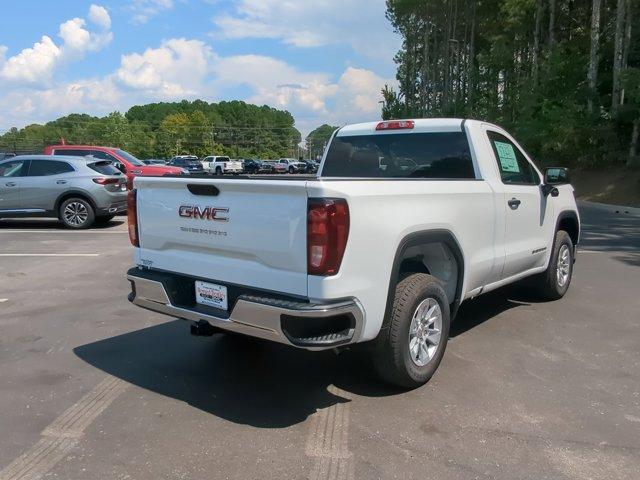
<point x="124" y="161"/>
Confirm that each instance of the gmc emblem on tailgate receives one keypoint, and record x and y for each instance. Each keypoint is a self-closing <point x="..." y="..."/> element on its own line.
<point x="207" y="213"/>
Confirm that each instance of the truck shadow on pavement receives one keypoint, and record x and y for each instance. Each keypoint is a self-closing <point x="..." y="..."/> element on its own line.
<point x="242" y="380"/>
<point x="249" y="381"/>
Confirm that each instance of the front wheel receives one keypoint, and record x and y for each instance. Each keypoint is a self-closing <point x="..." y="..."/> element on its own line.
<point x="76" y="213"/>
<point x="554" y="282"/>
<point x="410" y="349"/>
<point x="218" y="171"/>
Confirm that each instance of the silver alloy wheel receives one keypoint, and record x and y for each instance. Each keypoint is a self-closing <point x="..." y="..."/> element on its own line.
<point x="76" y="214"/>
<point x="425" y="331"/>
<point x="564" y="266"/>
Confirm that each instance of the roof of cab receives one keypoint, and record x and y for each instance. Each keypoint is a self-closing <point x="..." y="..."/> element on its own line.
<point x="66" y="158"/>
<point x="421" y="125"/>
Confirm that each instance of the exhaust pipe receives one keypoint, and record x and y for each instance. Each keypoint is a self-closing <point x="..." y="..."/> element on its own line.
<point x="202" y="328"/>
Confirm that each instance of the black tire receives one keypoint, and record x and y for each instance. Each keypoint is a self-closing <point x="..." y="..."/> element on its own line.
<point x="85" y="213"/>
<point x="392" y="357"/>
<point x="292" y="170"/>
<point x="218" y="171"/>
<point x="104" y="219"/>
<point x="549" y="284"/>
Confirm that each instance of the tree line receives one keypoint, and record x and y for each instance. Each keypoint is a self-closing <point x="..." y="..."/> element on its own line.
<point x="162" y="130"/>
<point x="563" y="75"/>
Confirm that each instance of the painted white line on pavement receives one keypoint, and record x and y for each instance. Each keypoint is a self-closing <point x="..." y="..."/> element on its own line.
<point x="49" y="254"/>
<point x="2" y="300"/>
<point x="328" y="441"/>
<point x="59" y="438"/>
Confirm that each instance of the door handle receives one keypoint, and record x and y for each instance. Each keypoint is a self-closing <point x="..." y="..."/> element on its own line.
<point x="10" y="184"/>
<point x="61" y="182"/>
<point x="514" y="203"/>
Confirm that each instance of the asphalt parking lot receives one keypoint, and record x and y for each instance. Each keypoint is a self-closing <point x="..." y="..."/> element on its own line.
<point x="92" y="387"/>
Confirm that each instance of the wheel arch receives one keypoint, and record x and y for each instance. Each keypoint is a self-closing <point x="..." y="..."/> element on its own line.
<point x="75" y="194"/>
<point x="417" y="239"/>
<point x="568" y="221"/>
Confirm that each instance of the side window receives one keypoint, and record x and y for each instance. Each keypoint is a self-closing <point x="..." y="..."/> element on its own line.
<point x="42" y="168"/>
<point x="513" y="165"/>
<point x="105" y="156"/>
<point x="74" y="152"/>
<point x="14" y="169"/>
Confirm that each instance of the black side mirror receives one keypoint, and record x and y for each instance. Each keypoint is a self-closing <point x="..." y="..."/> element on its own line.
<point x="556" y="176"/>
<point x="121" y="167"/>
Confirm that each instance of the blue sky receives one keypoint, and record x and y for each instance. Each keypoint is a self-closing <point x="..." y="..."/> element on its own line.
<point x="323" y="60"/>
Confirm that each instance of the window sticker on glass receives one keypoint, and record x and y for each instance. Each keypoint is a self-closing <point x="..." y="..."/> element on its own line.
<point x="507" y="156"/>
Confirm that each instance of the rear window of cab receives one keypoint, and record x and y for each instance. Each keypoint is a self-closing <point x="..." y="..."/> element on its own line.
<point x="438" y="155"/>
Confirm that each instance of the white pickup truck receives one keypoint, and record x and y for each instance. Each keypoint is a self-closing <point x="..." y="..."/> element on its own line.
<point x="221" y="164"/>
<point x="403" y="222"/>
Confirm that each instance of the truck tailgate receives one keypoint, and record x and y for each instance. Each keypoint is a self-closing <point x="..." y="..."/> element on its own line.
<point x="252" y="233"/>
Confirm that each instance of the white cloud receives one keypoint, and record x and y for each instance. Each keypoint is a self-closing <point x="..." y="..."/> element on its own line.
<point x="361" y="24"/>
<point x="178" y="68"/>
<point x="100" y="16"/>
<point x="181" y="68"/>
<point x="78" y="40"/>
<point x="97" y="96"/>
<point x="143" y="10"/>
<point x="34" y="64"/>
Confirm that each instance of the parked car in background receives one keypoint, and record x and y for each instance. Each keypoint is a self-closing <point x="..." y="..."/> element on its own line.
<point x="154" y="161"/>
<point x="256" y="166"/>
<point x="293" y="166"/>
<point x="79" y="191"/>
<point x="123" y="161"/>
<point x="277" y="166"/>
<point x="311" y="166"/>
<point x="188" y="162"/>
<point x="221" y="164"/>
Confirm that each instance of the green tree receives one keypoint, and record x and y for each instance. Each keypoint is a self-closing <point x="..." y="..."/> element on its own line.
<point x="317" y="140"/>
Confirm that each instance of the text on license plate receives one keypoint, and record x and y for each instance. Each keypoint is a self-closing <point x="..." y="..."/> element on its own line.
<point x="211" y="295"/>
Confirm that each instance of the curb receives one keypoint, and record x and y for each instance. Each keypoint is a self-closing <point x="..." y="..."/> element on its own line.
<point x="617" y="209"/>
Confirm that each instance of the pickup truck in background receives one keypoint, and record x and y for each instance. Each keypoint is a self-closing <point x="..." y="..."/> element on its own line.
<point x="218" y="165"/>
<point x="292" y="165"/>
<point x="404" y="221"/>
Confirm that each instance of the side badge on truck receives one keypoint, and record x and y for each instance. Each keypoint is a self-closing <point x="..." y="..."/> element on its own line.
<point x="217" y="214"/>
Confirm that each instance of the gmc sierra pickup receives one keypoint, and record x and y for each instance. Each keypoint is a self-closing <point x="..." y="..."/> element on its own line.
<point x="404" y="221"/>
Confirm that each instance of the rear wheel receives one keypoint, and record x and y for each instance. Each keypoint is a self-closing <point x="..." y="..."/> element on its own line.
<point x="76" y="213"/>
<point x="218" y="171"/>
<point x="409" y="351"/>
<point x="554" y="282"/>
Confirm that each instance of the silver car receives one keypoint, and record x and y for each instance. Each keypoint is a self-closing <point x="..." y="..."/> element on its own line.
<point x="80" y="191"/>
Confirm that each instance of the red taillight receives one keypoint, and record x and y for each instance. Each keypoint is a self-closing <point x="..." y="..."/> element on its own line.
<point x="396" y="125"/>
<point x="327" y="233"/>
<point x="106" y="181"/>
<point x="132" y="218"/>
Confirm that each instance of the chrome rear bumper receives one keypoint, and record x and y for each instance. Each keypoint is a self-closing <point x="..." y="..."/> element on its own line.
<point x="260" y="317"/>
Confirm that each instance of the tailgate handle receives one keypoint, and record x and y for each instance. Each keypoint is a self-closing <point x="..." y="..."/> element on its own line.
<point x="204" y="190"/>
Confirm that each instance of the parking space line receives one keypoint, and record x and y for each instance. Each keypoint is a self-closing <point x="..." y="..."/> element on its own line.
<point x="328" y="441"/>
<point x="2" y="300"/>
<point x="49" y="254"/>
<point x="59" y="438"/>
